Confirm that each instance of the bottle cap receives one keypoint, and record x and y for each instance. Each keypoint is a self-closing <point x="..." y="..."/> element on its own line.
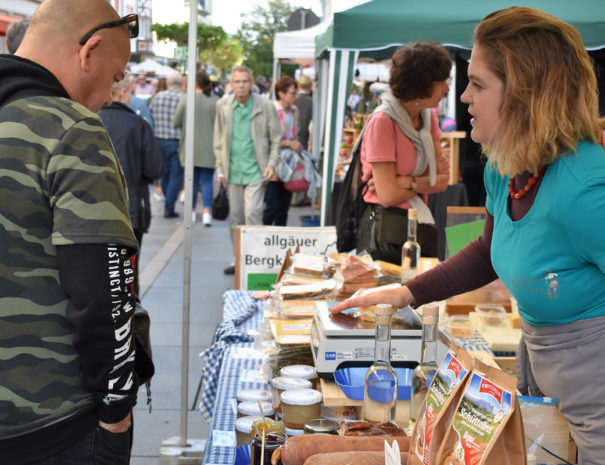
<point x="244" y="395"/>
<point x="244" y="424"/>
<point x="384" y="310"/>
<point x="430" y="310"/>
<point x="321" y="426"/>
<point x="251" y="408"/>
<point x="299" y="371"/>
<point x="301" y="397"/>
<point x="285" y="383"/>
<point x="412" y="214"/>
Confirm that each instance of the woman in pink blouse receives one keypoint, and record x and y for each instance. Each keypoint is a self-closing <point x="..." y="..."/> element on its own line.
<point x="401" y="152"/>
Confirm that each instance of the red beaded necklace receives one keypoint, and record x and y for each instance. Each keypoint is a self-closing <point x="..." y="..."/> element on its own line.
<point x="530" y="183"/>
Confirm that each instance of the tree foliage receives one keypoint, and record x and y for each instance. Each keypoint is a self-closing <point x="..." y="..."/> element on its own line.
<point x="215" y="47"/>
<point x="223" y="58"/>
<point x="208" y="36"/>
<point x="257" y="31"/>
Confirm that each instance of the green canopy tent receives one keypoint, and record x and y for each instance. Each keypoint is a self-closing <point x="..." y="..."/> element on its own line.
<point x="377" y="25"/>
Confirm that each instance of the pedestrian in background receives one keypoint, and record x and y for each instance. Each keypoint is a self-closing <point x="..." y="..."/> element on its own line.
<point x="247" y="137"/>
<point x="277" y="198"/>
<point x="163" y="109"/>
<point x="143" y="88"/>
<point x="304" y="103"/>
<point x="139" y="156"/>
<point x="15" y="33"/>
<point x="204" y="160"/>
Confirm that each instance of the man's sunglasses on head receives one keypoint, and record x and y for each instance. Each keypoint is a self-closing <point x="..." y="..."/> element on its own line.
<point x="131" y="22"/>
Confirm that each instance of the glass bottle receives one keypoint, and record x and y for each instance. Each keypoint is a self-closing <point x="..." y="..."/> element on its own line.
<point x="410" y="252"/>
<point x="424" y="372"/>
<point x="380" y="387"/>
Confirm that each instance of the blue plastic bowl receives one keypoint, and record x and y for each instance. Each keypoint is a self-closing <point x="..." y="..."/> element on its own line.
<point x="351" y="381"/>
<point x="243" y="455"/>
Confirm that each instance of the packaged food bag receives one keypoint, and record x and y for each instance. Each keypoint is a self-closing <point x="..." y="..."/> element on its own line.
<point x="439" y="405"/>
<point x="487" y="427"/>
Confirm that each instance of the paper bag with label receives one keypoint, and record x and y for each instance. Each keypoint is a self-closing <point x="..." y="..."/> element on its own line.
<point x="487" y="427"/>
<point x="439" y="405"/>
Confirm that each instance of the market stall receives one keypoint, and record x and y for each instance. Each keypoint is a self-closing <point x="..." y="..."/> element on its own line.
<point x="376" y="27"/>
<point x="260" y="339"/>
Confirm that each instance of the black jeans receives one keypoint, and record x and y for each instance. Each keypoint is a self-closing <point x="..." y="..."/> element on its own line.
<point x="277" y="203"/>
<point x="98" y="447"/>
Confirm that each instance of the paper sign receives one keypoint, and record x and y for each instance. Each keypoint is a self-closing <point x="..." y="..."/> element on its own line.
<point x="260" y="251"/>
<point x="460" y="235"/>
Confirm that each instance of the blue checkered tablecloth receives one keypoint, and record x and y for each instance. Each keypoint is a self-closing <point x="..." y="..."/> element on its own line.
<point x="238" y="371"/>
<point x="241" y="315"/>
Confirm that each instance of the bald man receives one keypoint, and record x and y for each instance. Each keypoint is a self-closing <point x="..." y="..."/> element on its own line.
<point x="67" y="378"/>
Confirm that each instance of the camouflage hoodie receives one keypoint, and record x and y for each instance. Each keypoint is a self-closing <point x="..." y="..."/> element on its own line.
<point x="66" y="347"/>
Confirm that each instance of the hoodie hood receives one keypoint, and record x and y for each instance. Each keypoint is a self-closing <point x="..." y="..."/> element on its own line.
<point x="21" y="78"/>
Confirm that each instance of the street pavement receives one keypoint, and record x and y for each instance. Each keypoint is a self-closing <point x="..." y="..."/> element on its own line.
<point x="161" y="281"/>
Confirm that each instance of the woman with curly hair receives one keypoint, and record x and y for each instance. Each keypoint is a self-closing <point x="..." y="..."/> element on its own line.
<point x="401" y="153"/>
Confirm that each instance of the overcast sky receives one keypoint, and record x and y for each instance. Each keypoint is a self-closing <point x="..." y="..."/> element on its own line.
<point x="226" y="13"/>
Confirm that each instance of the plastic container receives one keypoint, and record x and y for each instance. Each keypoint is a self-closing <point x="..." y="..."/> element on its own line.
<point x="301" y="371"/>
<point x="243" y="426"/>
<point x="460" y="326"/>
<point x="491" y="315"/>
<point x="299" y="406"/>
<point x="253" y="395"/>
<point x="285" y="383"/>
<point x="251" y="408"/>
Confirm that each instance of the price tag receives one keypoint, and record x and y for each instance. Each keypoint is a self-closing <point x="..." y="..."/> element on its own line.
<point x="223" y="438"/>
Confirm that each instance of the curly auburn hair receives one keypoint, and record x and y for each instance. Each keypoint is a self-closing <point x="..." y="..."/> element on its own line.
<point x="283" y="84"/>
<point x="550" y="95"/>
<point x="416" y="67"/>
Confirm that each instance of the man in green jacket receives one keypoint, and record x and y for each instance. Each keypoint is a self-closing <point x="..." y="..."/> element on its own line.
<point x="247" y="138"/>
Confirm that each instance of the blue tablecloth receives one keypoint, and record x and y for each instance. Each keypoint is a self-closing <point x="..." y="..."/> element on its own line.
<point x="240" y="362"/>
<point x="241" y="315"/>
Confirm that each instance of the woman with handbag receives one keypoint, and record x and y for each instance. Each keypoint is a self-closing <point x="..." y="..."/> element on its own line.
<point x="277" y="197"/>
<point x="401" y="153"/>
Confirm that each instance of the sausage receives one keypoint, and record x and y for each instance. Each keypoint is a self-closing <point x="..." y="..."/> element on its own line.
<point x="297" y="449"/>
<point x="351" y="458"/>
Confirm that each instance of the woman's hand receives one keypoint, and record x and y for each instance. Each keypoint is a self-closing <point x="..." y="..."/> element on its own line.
<point x="399" y="297"/>
<point x="443" y="165"/>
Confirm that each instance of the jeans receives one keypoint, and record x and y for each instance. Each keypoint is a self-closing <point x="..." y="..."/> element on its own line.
<point x="98" y="447"/>
<point x="173" y="172"/>
<point x="203" y="178"/>
<point x="277" y="204"/>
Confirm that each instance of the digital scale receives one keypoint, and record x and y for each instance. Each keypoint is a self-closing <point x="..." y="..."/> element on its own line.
<point x="339" y="341"/>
